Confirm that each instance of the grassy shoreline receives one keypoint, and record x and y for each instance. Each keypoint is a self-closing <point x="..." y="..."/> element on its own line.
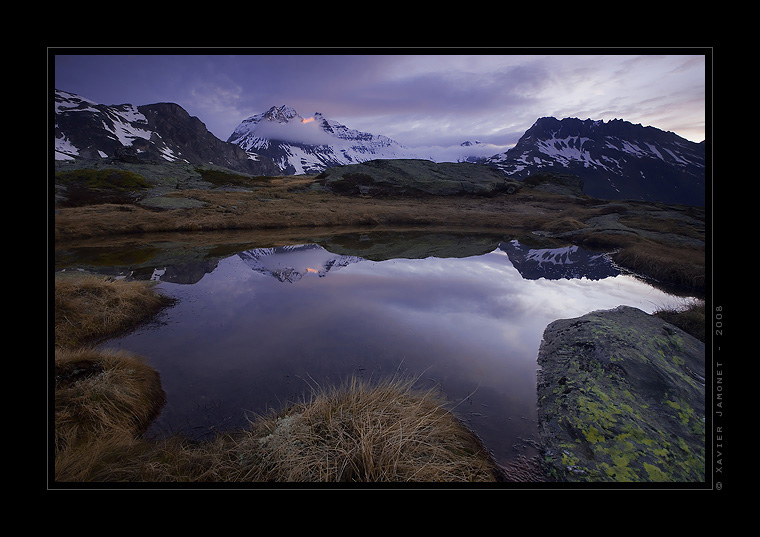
<point x="105" y="400"/>
<point x="663" y="243"/>
<point x="98" y="422"/>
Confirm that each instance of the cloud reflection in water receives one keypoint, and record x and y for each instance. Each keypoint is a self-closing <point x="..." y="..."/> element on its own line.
<point x="241" y="339"/>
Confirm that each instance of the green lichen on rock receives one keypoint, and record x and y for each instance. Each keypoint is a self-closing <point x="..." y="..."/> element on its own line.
<point x="113" y="179"/>
<point x="621" y="398"/>
<point x="94" y="186"/>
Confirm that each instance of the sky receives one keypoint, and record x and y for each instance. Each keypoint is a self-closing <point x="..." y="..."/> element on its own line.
<point x="417" y="99"/>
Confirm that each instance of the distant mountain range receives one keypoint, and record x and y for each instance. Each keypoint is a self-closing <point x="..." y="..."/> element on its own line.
<point x="615" y="159"/>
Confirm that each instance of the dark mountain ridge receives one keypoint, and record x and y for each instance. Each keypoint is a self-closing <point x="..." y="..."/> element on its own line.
<point x="615" y="159"/>
<point x="158" y="132"/>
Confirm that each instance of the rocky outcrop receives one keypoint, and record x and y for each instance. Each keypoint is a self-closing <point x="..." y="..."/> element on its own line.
<point x="621" y="397"/>
<point x="559" y="183"/>
<point x="409" y="177"/>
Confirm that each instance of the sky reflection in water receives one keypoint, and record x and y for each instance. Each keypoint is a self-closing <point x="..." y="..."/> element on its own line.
<point x="259" y="332"/>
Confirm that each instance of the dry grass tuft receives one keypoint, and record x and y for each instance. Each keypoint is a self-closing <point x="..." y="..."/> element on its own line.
<point x="679" y="268"/>
<point x="102" y="397"/>
<point x="386" y="432"/>
<point x="128" y="459"/>
<point x="361" y="433"/>
<point x="90" y="307"/>
<point x="690" y="318"/>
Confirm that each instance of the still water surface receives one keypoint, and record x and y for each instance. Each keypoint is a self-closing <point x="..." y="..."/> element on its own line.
<point x="267" y="325"/>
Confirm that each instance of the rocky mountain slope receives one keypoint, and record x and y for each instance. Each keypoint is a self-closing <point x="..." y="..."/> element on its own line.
<point x="615" y="159"/>
<point x="162" y="132"/>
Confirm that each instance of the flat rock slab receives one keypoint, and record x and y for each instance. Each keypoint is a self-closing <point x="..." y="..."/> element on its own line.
<point x="416" y="177"/>
<point x="621" y="398"/>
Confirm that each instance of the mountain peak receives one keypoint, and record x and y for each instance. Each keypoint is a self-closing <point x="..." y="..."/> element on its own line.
<point x="281" y="114"/>
<point x="310" y="144"/>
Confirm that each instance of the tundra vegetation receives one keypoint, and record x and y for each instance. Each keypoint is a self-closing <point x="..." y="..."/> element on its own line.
<point x="385" y="432"/>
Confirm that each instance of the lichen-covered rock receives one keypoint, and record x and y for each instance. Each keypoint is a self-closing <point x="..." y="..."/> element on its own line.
<point x="621" y="398"/>
<point x="410" y="177"/>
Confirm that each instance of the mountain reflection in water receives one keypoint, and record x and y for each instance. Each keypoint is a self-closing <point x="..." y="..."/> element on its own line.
<point x="290" y="263"/>
<point x="267" y="325"/>
<point x="555" y="263"/>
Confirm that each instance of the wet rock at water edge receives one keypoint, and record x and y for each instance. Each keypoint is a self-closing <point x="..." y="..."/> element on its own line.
<point x="621" y="398"/>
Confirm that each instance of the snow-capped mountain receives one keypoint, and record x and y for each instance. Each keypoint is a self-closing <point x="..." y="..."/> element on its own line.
<point x="311" y="144"/>
<point x="473" y="152"/>
<point x="615" y="159"/>
<point x="558" y="263"/>
<point x="291" y="263"/>
<point x="159" y="132"/>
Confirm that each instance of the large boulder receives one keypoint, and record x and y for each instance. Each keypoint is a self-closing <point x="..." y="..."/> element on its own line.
<point x="621" y="397"/>
<point x="411" y="177"/>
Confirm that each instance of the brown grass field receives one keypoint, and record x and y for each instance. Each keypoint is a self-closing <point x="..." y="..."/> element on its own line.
<point x="666" y="244"/>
